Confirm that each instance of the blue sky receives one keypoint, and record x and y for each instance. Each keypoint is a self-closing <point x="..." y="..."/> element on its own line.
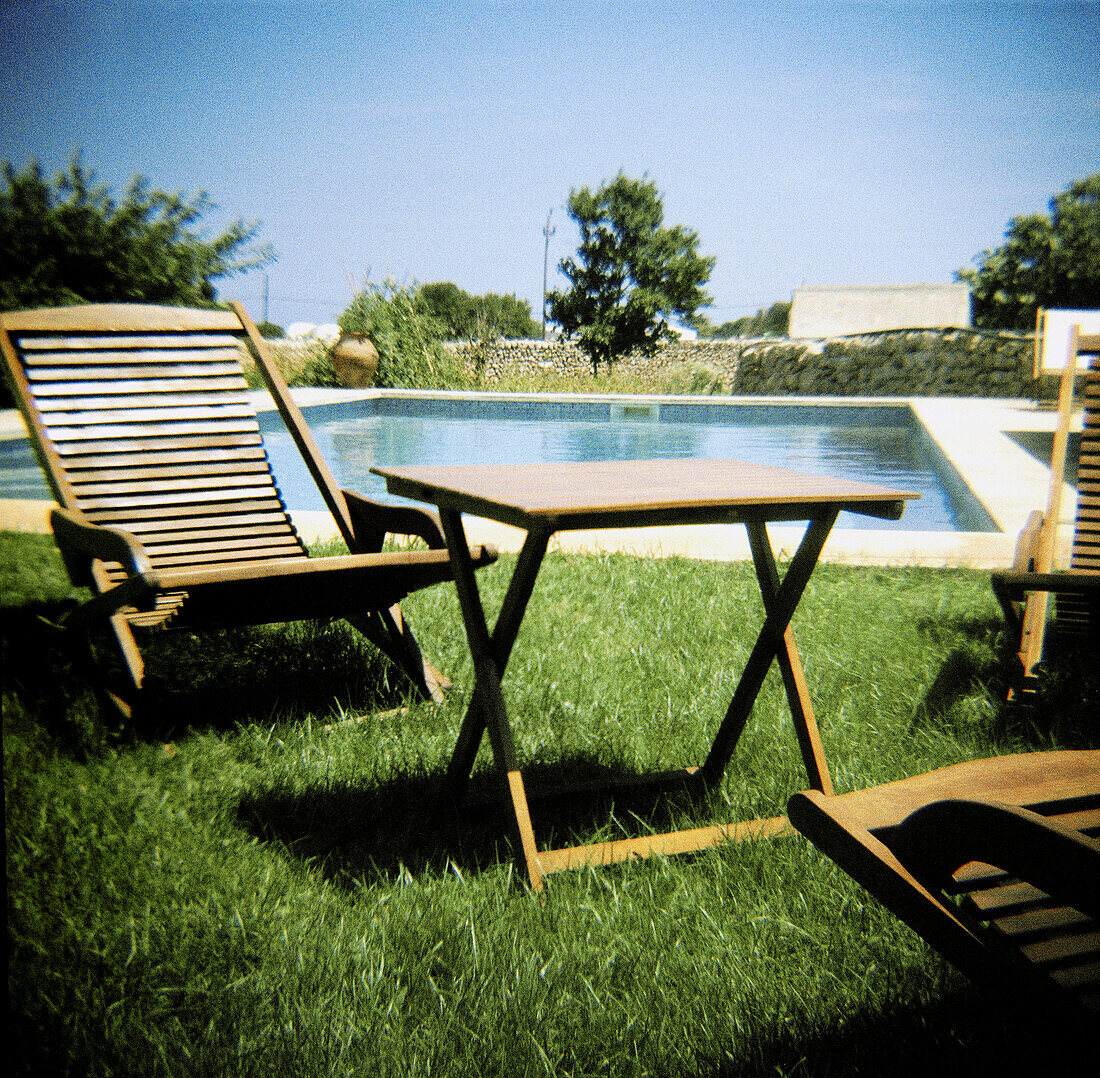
<point x="806" y="143"/>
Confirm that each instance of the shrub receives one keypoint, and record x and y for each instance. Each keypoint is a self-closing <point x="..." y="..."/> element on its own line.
<point x="409" y="340"/>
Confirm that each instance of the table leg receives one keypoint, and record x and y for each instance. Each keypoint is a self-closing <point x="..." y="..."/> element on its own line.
<point x="776" y="641"/>
<point x="798" y="694"/>
<point x="490" y="652"/>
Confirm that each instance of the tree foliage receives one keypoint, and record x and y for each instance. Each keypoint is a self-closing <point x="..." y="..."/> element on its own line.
<point x="773" y="322"/>
<point x="1046" y="261"/>
<point x="477" y="318"/>
<point x="631" y="274"/>
<point x="69" y="241"/>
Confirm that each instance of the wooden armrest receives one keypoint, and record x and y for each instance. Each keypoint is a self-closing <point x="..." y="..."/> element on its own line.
<point x="1027" y="545"/>
<point x="374" y="520"/>
<point x="81" y="541"/>
<point x="1015" y="586"/>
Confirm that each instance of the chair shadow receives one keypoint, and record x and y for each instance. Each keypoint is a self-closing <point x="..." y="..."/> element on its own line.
<point x="213" y="680"/>
<point x="46" y="678"/>
<point x="408" y="824"/>
<point x="965" y="669"/>
<point x="1063" y="708"/>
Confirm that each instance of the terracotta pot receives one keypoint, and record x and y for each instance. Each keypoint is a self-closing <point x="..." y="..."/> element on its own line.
<point x="355" y="360"/>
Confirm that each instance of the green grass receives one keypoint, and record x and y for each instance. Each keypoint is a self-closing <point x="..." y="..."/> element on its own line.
<point x="236" y="882"/>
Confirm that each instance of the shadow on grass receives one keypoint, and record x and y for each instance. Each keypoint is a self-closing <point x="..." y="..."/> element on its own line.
<point x="1062" y="710"/>
<point x="959" y="1034"/>
<point x="214" y="680"/>
<point x="378" y="830"/>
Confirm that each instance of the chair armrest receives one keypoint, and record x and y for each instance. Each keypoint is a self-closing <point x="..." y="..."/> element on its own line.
<point x="373" y="520"/>
<point x="1027" y="545"/>
<point x="1014" y="586"/>
<point x="81" y="541"/>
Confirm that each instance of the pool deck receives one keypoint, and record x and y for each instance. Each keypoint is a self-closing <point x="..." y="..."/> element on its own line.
<point x="973" y="434"/>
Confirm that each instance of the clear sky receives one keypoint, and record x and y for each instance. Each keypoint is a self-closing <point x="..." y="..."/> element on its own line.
<point x="806" y="143"/>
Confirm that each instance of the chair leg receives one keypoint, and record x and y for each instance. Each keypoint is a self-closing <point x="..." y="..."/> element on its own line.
<point x="91" y="665"/>
<point x="391" y="634"/>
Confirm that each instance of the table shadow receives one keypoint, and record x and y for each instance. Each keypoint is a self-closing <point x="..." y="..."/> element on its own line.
<point x="379" y="830"/>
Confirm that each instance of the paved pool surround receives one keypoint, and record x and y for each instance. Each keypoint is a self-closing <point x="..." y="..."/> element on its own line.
<point x="975" y="434"/>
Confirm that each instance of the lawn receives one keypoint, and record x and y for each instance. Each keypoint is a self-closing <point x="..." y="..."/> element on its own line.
<point x="251" y="876"/>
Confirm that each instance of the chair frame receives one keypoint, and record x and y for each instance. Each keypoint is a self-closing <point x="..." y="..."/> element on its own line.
<point x="1025" y="591"/>
<point x="1013" y="836"/>
<point x="279" y="582"/>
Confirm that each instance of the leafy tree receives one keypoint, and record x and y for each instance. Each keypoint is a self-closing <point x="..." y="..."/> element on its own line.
<point x="449" y="305"/>
<point x="774" y="322"/>
<point x="69" y="241"/>
<point x="1045" y="261"/>
<point x="631" y="275"/>
<point x="503" y="316"/>
<point x="477" y="318"/>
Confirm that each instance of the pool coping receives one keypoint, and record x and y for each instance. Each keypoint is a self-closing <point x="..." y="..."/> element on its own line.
<point x="972" y="433"/>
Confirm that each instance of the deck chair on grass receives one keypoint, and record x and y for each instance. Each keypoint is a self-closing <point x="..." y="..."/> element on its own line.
<point x="1026" y="590"/>
<point x="169" y="511"/>
<point x="995" y="863"/>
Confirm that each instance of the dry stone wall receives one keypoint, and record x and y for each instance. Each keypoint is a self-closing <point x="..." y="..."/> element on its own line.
<point x="905" y="363"/>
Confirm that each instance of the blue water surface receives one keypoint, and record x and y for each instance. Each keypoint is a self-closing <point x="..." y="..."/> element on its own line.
<point x="882" y="444"/>
<point x="876" y="444"/>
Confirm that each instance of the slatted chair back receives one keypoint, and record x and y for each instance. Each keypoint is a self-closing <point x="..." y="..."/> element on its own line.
<point x="1072" y="612"/>
<point x="141" y="419"/>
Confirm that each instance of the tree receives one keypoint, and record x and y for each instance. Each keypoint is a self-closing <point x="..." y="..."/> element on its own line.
<point x="1045" y="261"/>
<point x="773" y="322"/>
<point x="477" y="318"/>
<point x="70" y="241"/>
<point x="632" y="274"/>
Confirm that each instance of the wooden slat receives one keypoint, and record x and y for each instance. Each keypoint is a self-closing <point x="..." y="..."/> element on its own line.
<point x="44" y="377"/>
<point x="134" y="486"/>
<point x="127" y="388"/>
<point x="176" y="531"/>
<point x="1042" y="921"/>
<point x="166" y="470"/>
<point x="145" y="523"/>
<point x="157" y="430"/>
<point x="227" y="456"/>
<point x="1062" y="949"/>
<point x="183" y="541"/>
<point x="208" y="497"/>
<point x="158" y="344"/>
<point x="69" y="414"/>
<point x="40" y="364"/>
<point x="193" y="559"/>
<point x="146" y="408"/>
<point x="208" y="446"/>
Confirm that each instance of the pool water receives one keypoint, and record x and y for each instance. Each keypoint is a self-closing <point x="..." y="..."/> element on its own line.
<point x="877" y="444"/>
<point x="882" y="444"/>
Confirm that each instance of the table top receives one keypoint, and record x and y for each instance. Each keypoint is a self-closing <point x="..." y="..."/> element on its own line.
<point x="635" y="493"/>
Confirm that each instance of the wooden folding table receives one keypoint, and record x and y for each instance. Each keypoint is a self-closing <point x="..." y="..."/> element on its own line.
<point x="544" y="498"/>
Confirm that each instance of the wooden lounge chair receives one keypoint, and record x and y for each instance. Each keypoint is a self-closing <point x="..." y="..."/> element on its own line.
<point x="995" y="863"/>
<point x="1024" y="592"/>
<point x="169" y="511"/>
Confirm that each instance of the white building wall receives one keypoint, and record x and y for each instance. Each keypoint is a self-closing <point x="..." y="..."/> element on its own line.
<point x="829" y="311"/>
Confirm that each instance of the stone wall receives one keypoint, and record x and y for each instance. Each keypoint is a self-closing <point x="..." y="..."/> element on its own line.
<point x="907" y="363"/>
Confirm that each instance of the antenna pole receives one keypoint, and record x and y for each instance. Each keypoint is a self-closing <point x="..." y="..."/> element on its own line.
<point x="547" y="232"/>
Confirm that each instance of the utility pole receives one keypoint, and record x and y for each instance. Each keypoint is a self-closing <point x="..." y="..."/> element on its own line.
<point x="547" y="232"/>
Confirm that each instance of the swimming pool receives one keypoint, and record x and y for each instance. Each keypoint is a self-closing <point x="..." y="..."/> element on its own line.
<point x="880" y="443"/>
